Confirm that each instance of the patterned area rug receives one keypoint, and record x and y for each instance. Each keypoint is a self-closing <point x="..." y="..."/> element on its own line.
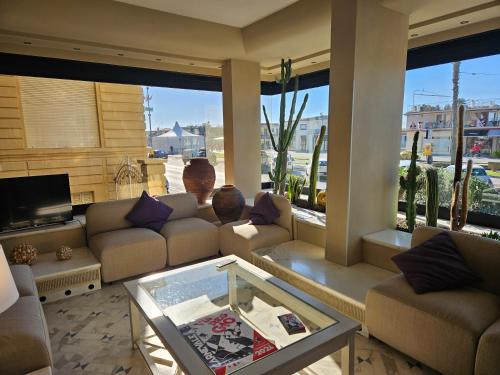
<point x="90" y="334"/>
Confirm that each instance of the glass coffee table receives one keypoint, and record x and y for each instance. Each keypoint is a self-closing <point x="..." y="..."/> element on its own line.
<point x="227" y="316"/>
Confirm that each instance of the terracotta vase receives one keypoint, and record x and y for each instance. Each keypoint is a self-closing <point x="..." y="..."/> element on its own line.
<point x="199" y="178"/>
<point x="228" y="203"/>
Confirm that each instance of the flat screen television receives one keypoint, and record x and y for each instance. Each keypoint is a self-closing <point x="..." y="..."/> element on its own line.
<point x="34" y="201"/>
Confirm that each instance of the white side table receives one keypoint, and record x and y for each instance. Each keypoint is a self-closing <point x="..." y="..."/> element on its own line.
<point x="56" y="279"/>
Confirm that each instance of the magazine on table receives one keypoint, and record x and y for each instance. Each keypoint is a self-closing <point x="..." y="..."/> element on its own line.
<point x="225" y="341"/>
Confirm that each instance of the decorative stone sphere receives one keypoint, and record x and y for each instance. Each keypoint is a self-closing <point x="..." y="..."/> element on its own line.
<point x="64" y="252"/>
<point x="24" y="254"/>
<point x="321" y="198"/>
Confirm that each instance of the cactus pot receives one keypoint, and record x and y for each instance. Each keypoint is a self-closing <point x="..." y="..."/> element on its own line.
<point x="199" y="178"/>
<point x="228" y="203"/>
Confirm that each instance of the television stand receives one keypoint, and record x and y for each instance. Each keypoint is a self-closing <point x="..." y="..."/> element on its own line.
<point x="39" y="227"/>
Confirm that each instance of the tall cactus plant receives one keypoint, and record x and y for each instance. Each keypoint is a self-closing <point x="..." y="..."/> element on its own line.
<point x="411" y="187"/>
<point x="432" y="202"/>
<point x="286" y="128"/>
<point x="313" y="177"/>
<point x="458" y="219"/>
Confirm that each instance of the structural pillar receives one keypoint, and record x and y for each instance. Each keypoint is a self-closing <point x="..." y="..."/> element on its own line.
<point x="241" y="106"/>
<point x="368" y="63"/>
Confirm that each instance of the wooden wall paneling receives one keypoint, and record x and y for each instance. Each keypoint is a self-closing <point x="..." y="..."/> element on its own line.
<point x="12" y="135"/>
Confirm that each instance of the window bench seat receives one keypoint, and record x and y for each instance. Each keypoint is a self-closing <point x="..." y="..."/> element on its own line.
<point x="304" y="266"/>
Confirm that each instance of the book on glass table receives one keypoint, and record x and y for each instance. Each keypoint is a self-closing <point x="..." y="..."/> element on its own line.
<point x="226" y="342"/>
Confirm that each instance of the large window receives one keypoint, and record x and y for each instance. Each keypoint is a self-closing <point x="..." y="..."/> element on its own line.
<point x="185" y="124"/>
<point x="302" y="144"/>
<point x="430" y="95"/>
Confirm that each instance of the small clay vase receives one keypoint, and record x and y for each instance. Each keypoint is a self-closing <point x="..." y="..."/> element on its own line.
<point x="199" y="178"/>
<point x="228" y="203"/>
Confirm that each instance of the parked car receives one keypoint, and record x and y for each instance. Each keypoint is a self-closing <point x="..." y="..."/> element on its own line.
<point x="322" y="168"/>
<point x="477" y="172"/>
<point x="160" y="154"/>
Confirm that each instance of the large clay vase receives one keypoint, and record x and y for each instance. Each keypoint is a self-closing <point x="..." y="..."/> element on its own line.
<point x="228" y="203"/>
<point x="199" y="178"/>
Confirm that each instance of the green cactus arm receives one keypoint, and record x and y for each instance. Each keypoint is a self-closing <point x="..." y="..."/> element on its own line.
<point x="294" y="100"/>
<point x="454" y="223"/>
<point x="411" y="186"/>
<point x="284" y="73"/>
<point x="460" y="146"/>
<point x="465" y="191"/>
<point x="297" y="119"/>
<point x="313" y="178"/>
<point x="432" y="198"/>
<point x="268" y="123"/>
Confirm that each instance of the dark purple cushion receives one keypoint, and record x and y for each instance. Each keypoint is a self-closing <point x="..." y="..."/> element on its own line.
<point x="264" y="212"/>
<point x="435" y="265"/>
<point x="149" y="212"/>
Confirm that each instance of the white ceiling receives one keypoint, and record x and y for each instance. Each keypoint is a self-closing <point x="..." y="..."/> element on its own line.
<point x="237" y="13"/>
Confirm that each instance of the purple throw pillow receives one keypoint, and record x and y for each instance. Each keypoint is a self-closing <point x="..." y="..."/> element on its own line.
<point x="149" y="212"/>
<point x="435" y="265"/>
<point x="264" y="212"/>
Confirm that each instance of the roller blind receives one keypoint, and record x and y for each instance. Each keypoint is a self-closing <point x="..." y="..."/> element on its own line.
<point x="59" y="113"/>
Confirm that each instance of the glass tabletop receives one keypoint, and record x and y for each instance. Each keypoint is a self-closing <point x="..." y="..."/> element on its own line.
<point x="231" y="314"/>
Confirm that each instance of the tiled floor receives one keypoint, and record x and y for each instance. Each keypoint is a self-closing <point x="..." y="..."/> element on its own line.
<point x="90" y="335"/>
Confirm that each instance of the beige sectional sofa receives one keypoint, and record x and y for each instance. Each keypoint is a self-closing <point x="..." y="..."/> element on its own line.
<point x="24" y="338"/>
<point x="241" y="238"/>
<point x="126" y="251"/>
<point x="456" y="332"/>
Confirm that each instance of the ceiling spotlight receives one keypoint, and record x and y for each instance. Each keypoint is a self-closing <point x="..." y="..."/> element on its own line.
<point x="413" y="35"/>
<point x="464" y="22"/>
<point x="313" y="62"/>
<point x="191" y="63"/>
<point x="120" y="54"/>
<point x="77" y="48"/>
<point x="158" y="59"/>
<point x="269" y="73"/>
<point x="27" y="42"/>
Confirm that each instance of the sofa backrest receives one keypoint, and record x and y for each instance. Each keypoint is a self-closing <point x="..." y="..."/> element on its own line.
<point x="183" y="204"/>
<point x="481" y="254"/>
<point x="108" y="216"/>
<point x="285" y="208"/>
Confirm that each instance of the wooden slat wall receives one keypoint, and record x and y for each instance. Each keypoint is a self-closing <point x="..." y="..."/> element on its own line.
<point x="120" y="113"/>
<point x="11" y="121"/>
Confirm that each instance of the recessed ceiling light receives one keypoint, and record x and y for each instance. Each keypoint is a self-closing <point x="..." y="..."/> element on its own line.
<point x="313" y="62"/>
<point x="413" y="35"/>
<point x="220" y="66"/>
<point x="464" y="22"/>
<point x="158" y="59"/>
<point x="191" y="63"/>
<point x="269" y="73"/>
<point x="27" y="42"/>
<point x="77" y="48"/>
<point x="120" y="54"/>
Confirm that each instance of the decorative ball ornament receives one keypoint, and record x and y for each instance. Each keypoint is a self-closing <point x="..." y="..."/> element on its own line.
<point x="24" y="254"/>
<point x="321" y="198"/>
<point x="64" y="253"/>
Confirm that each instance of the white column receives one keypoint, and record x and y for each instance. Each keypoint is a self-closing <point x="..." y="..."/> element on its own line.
<point x="241" y="105"/>
<point x="368" y="63"/>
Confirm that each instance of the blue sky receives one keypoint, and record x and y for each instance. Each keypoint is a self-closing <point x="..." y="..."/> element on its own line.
<point x="195" y="107"/>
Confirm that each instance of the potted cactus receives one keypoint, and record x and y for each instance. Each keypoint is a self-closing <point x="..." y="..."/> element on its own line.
<point x="313" y="177"/>
<point x="286" y="128"/>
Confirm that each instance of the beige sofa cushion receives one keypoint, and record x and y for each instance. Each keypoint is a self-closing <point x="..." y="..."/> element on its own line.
<point x="481" y="254"/>
<point x="284" y="207"/>
<point x="24" y="339"/>
<point x="128" y="252"/>
<point x="190" y="239"/>
<point x="241" y="237"/>
<point x="488" y="351"/>
<point x="23" y="277"/>
<point x="183" y="204"/>
<point x="440" y="329"/>
<point x="108" y="216"/>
